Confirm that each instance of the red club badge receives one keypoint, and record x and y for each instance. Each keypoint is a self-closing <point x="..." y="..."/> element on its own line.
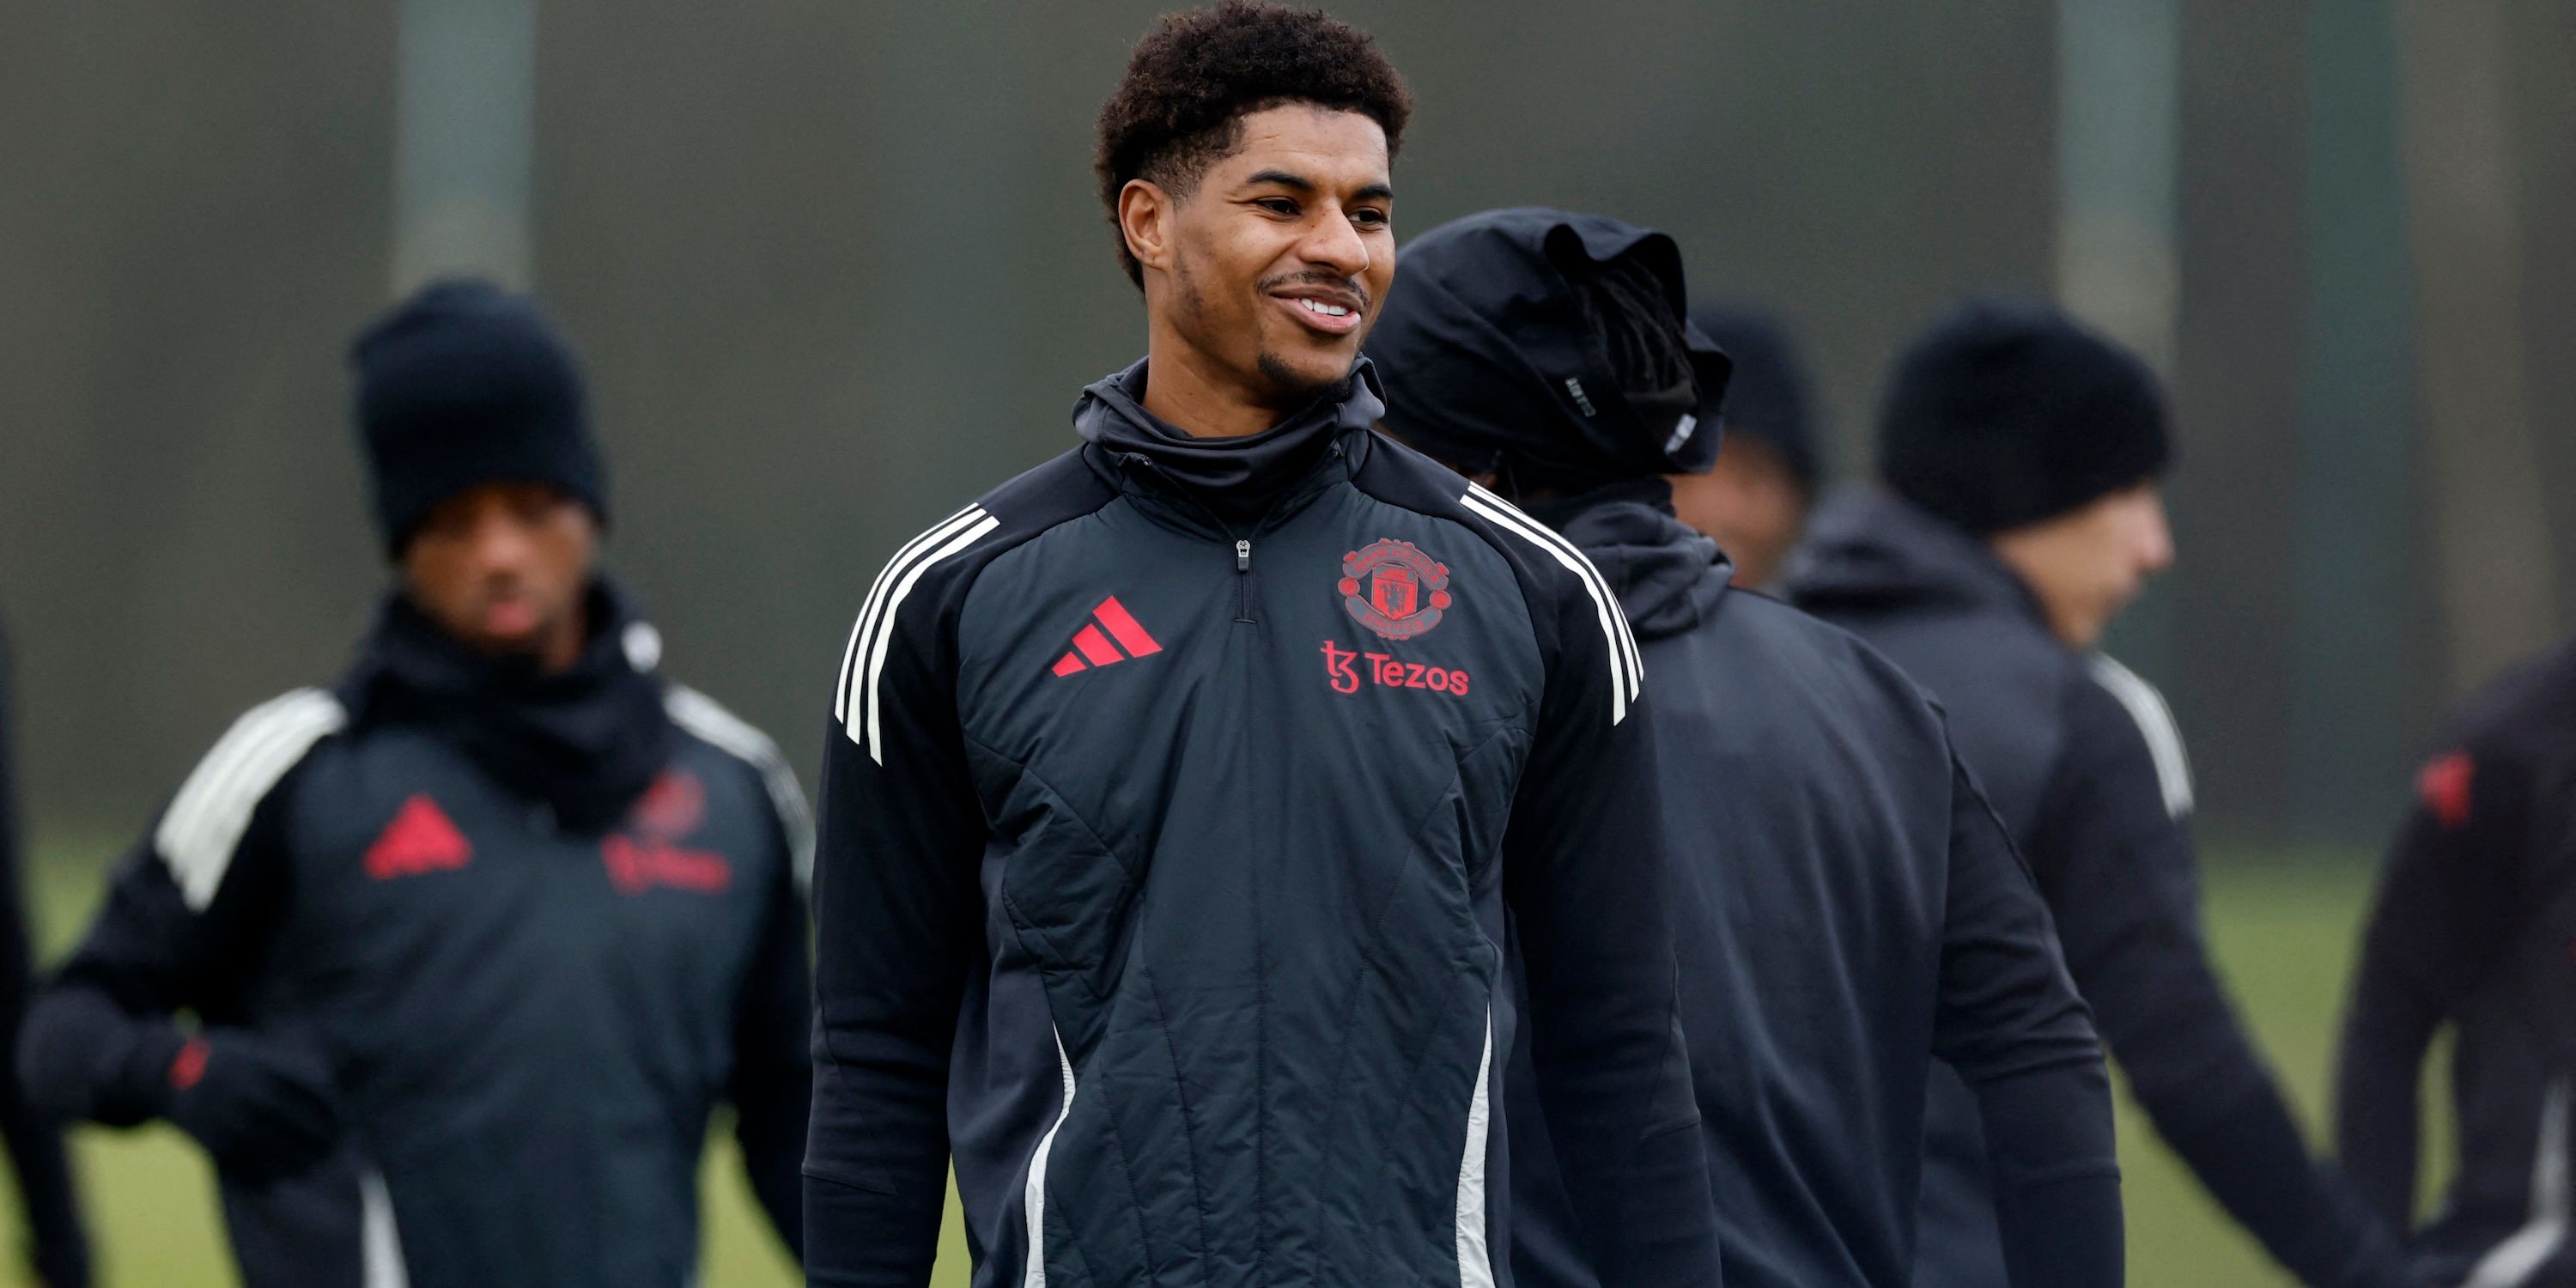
<point x="1394" y="589"/>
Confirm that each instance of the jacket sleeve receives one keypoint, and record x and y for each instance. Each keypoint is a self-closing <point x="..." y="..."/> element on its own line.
<point x="2118" y="871"/>
<point x="897" y="932"/>
<point x="2445" y="906"/>
<point x="772" y="1088"/>
<point x="100" y="1037"/>
<point x="35" y="1141"/>
<point x="2011" y="1024"/>
<point x="1584" y="876"/>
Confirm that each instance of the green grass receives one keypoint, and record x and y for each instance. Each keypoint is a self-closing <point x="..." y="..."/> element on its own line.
<point x="2284" y="933"/>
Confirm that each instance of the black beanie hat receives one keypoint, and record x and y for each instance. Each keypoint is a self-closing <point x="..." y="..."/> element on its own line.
<point x="2006" y="413"/>
<point x="1550" y="348"/>
<point x="1767" y="396"/>
<point x="465" y="384"/>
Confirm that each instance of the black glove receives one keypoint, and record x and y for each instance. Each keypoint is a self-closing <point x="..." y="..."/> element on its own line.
<point x="263" y="1107"/>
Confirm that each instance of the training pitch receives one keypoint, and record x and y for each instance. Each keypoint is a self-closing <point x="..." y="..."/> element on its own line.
<point x="2283" y="928"/>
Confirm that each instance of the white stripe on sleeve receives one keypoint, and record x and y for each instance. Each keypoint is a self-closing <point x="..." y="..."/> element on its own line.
<point x="204" y="824"/>
<point x="882" y="629"/>
<point x="1627" y="671"/>
<point x="875" y="603"/>
<point x="706" y="718"/>
<point x="2156" y="724"/>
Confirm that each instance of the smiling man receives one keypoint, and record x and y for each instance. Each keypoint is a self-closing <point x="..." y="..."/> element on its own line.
<point x="474" y="941"/>
<point x="1183" y="793"/>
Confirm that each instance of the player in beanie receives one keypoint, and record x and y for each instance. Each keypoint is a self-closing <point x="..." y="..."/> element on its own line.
<point x="1849" y="904"/>
<point x="475" y="939"/>
<point x="2021" y="456"/>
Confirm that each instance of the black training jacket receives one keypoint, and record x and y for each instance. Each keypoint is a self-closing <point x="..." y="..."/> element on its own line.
<point x="57" y="1247"/>
<point x="2081" y="759"/>
<point x="1181" y="796"/>
<point x="527" y="1021"/>
<point x="2474" y="928"/>
<point x="1848" y="906"/>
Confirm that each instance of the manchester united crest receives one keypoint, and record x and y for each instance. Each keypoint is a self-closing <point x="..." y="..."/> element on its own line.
<point x="1394" y="589"/>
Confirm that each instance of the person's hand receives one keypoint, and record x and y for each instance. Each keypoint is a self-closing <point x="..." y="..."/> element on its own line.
<point x="261" y="1106"/>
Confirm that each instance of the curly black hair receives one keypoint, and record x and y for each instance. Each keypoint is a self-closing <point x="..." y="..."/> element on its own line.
<point x="1194" y="77"/>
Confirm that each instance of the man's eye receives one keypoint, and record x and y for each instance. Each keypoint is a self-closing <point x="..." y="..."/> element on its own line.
<point x="1278" y="205"/>
<point x="1369" y="218"/>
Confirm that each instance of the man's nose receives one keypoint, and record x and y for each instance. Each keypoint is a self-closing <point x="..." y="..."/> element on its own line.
<point x="501" y="544"/>
<point x="2156" y="547"/>
<point x="1335" y="244"/>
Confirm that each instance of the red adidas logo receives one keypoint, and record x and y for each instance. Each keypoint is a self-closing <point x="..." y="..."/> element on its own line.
<point x="1093" y="648"/>
<point x="419" y="840"/>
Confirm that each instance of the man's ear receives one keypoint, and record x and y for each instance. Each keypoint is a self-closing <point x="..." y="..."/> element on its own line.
<point x="1145" y="219"/>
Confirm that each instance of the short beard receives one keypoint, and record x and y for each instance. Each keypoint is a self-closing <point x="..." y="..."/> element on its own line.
<point x="1285" y="389"/>
<point x="1290" y="390"/>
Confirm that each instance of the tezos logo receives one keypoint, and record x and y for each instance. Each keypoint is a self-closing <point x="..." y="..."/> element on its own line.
<point x="1394" y="589"/>
<point x="1341" y="668"/>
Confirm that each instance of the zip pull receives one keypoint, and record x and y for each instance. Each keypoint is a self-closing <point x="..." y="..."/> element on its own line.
<point x="1243" y="556"/>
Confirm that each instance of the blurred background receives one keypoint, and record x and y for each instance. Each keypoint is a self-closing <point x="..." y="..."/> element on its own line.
<point x="837" y="267"/>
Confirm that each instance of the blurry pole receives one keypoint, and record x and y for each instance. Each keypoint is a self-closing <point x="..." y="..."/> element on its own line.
<point x="2493" y="571"/>
<point x="2118" y="122"/>
<point x="2350" y="673"/>
<point x="465" y="111"/>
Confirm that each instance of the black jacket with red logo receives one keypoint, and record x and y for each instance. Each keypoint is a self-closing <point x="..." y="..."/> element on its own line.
<point x="533" y="928"/>
<point x="1180" y="798"/>
<point x="2474" y="929"/>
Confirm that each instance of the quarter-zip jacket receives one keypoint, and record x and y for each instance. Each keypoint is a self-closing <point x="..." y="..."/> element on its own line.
<point x="2081" y="759"/>
<point x="527" y="1021"/>
<point x="2471" y="930"/>
<point x="1848" y="906"/>
<point x="1180" y="798"/>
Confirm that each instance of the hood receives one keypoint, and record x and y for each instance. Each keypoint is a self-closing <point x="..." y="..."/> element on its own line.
<point x="1668" y="577"/>
<point x="1240" y="481"/>
<point x="1868" y="549"/>
<point x="585" y="743"/>
<point x="1500" y="365"/>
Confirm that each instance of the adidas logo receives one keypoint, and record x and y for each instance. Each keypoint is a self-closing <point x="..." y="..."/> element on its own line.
<point x="419" y="841"/>
<point x="1092" y="646"/>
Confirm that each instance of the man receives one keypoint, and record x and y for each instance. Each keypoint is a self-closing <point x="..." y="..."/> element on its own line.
<point x="57" y="1247"/>
<point x="1177" y="791"/>
<point x="2471" y="930"/>
<point x="1755" y="499"/>
<point x="2021" y="455"/>
<point x="475" y="939"/>
<point x="1849" y="903"/>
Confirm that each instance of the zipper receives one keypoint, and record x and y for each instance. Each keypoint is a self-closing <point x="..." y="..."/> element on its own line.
<point x="1242" y="545"/>
<point x="1243" y="579"/>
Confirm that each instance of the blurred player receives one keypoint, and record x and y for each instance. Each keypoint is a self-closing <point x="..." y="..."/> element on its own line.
<point x="2474" y="928"/>
<point x="477" y="938"/>
<point x="57" y="1247"/>
<point x="1755" y="499"/>
<point x="1177" y="790"/>
<point x="1849" y="903"/>
<point x="2021" y="456"/>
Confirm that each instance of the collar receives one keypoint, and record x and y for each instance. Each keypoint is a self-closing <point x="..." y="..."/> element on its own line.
<point x="1238" y="483"/>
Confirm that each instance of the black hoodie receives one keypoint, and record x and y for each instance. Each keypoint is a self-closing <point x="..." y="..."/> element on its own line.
<point x="2082" y="760"/>
<point x="1849" y="907"/>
